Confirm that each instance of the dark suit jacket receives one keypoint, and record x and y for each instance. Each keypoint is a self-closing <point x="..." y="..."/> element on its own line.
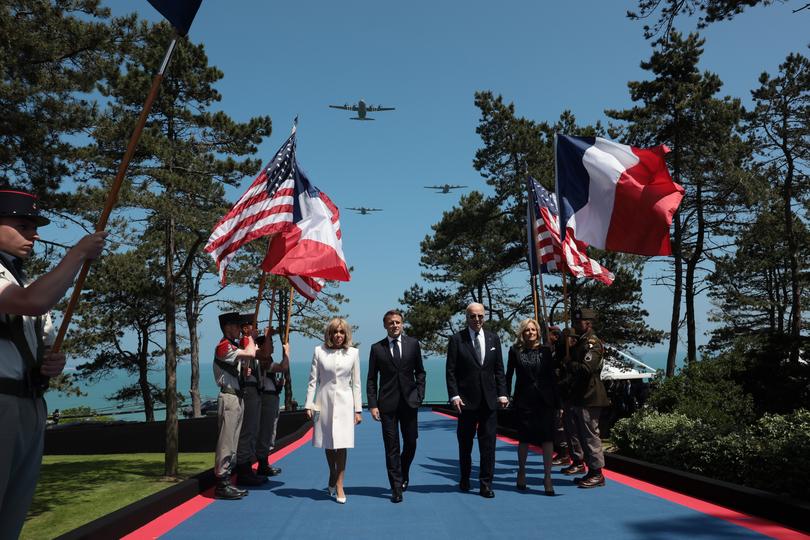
<point x="533" y="388"/>
<point x="405" y="378"/>
<point x="466" y="377"/>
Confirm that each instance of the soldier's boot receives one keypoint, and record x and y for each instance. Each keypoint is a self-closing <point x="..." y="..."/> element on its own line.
<point x="246" y="477"/>
<point x="597" y="479"/>
<point x="224" y="490"/>
<point x="562" y="458"/>
<point x="574" y="468"/>
<point x="266" y="470"/>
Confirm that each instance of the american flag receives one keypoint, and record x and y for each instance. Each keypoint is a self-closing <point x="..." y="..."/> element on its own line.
<point x="546" y="254"/>
<point x="265" y="209"/>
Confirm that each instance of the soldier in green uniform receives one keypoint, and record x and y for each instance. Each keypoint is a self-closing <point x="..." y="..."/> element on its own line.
<point x="587" y="395"/>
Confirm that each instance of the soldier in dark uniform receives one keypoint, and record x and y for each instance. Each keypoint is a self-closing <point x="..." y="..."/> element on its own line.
<point x="251" y="411"/>
<point x="271" y="376"/>
<point x="26" y="361"/>
<point x="587" y="395"/>
<point x="228" y="374"/>
<point x="576" y="455"/>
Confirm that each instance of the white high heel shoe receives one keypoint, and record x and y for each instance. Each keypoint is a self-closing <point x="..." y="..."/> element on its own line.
<point x="341" y="500"/>
<point x="332" y="490"/>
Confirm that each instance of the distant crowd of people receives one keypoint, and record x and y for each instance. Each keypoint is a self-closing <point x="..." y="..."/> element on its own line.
<point x="558" y="398"/>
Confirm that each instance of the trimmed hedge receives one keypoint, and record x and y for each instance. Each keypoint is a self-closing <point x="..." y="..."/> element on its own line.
<point x="769" y="454"/>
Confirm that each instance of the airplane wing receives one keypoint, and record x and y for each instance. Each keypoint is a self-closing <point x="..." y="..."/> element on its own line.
<point x="434" y="187"/>
<point x="378" y="109"/>
<point x="344" y="107"/>
<point x="456" y="187"/>
<point x="355" y="209"/>
<point x="374" y="209"/>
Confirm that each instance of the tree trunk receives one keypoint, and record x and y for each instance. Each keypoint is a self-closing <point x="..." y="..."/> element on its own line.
<point x="795" y="296"/>
<point x="676" y="295"/>
<point x="143" y="381"/>
<point x="172" y="432"/>
<point x="192" y="315"/>
<point x="691" y="269"/>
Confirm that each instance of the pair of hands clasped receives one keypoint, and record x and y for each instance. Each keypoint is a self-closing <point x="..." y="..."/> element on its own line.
<point x="458" y="403"/>
<point x="358" y="417"/>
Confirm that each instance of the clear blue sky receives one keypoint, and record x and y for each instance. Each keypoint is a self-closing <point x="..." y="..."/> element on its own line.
<point x="427" y="59"/>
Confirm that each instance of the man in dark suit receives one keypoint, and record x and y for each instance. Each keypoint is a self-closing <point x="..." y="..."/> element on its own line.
<point x="477" y="387"/>
<point x="396" y="361"/>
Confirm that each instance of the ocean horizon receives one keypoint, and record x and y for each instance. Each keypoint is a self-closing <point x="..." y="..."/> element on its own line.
<point x="96" y="397"/>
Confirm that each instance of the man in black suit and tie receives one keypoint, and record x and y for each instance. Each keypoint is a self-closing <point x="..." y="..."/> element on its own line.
<point x="397" y="361"/>
<point x="477" y="387"/>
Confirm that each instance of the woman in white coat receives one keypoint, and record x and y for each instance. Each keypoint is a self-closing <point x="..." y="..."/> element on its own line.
<point x="337" y="405"/>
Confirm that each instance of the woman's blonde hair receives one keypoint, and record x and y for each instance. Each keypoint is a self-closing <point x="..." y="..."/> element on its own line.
<point x="331" y="327"/>
<point x="521" y="344"/>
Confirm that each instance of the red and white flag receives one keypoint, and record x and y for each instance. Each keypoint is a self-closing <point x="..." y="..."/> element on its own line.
<point x="547" y="253"/>
<point x="304" y="224"/>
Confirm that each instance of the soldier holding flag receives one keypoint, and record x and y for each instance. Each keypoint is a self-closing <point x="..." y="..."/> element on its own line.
<point x="26" y="358"/>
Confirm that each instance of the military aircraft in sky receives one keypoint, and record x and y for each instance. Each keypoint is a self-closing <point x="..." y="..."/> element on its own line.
<point x="444" y="189"/>
<point x="361" y="109"/>
<point x="364" y="211"/>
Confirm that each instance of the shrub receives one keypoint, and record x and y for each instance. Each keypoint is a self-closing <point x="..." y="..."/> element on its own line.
<point x="770" y="454"/>
<point x="706" y="391"/>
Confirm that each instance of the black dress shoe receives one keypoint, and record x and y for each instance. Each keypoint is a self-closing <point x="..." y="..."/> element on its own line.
<point x="396" y="496"/>
<point x="464" y="485"/>
<point x="404" y="485"/>
<point x="487" y="493"/>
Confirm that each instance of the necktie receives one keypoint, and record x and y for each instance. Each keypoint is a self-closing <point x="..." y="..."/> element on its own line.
<point x="478" y="348"/>
<point x="395" y="350"/>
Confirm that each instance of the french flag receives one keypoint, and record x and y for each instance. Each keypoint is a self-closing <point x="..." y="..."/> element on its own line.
<point x="615" y="197"/>
<point x="310" y="247"/>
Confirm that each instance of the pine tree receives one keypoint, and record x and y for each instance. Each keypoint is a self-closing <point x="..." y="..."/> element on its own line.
<point x="175" y="181"/>
<point x="52" y="55"/>
<point x="780" y="131"/>
<point x="678" y="107"/>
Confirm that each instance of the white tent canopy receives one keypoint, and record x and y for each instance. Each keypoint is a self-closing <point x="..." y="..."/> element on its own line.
<point x="621" y="366"/>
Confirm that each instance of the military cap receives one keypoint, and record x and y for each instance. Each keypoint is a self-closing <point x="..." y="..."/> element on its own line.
<point x="21" y="204"/>
<point x="584" y="314"/>
<point x="232" y="317"/>
<point x="245" y="318"/>
<point x="554" y="329"/>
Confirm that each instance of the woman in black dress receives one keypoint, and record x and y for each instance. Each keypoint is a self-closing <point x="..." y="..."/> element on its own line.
<point x="536" y="399"/>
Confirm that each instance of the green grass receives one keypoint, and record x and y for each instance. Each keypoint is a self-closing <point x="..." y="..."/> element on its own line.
<point x="74" y="490"/>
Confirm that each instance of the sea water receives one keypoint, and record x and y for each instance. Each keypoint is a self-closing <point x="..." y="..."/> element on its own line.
<point x="98" y="393"/>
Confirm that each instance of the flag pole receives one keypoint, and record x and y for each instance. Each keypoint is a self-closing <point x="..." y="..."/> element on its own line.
<point x="563" y="261"/>
<point x="289" y="402"/>
<point x="262" y="282"/>
<point x="112" y="197"/>
<point x="534" y="297"/>
<point x="545" y="311"/>
<point x="289" y="314"/>
<point x="272" y="307"/>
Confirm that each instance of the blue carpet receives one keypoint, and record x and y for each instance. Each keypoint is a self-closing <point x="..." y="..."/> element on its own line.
<point x="296" y="505"/>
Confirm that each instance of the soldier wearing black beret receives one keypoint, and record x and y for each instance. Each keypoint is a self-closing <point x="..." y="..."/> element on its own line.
<point x="229" y="359"/>
<point x="26" y="359"/>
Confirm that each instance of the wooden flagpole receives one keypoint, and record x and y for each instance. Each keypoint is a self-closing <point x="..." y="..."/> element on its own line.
<point x="272" y="307"/>
<point x="545" y="311"/>
<point x="262" y="283"/>
<point x="112" y="197"/>
<point x="289" y="403"/>
<point x="289" y="314"/>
